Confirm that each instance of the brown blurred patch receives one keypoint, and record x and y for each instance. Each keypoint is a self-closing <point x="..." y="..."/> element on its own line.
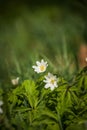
<point x="82" y="55"/>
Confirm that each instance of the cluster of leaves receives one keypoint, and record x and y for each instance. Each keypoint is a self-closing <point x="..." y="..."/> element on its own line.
<point x="32" y="107"/>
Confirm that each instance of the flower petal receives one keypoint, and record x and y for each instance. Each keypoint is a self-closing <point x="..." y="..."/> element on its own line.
<point x="46" y="86"/>
<point x="38" y="63"/>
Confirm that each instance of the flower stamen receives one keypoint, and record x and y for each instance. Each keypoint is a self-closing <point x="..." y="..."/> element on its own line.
<point x="42" y="68"/>
<point x="52" y="81"/>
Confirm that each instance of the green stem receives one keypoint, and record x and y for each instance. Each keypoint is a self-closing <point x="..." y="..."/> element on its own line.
<point x="59" y="121"/>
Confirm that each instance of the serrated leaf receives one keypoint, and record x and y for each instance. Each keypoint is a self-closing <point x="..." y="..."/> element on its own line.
<point x="31" y="92"/>
<point x="53" y="127"/>
<point x="46" y="112"/>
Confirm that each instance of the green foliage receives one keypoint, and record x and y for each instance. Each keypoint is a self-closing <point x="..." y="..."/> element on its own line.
<point x="31" y="106"/>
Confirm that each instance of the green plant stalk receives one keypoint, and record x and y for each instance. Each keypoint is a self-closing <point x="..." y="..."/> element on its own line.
<point x="59" y="121"/>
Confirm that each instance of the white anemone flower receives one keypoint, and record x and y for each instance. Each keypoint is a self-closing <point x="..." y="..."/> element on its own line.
<point x="1" y="103"/>
<point x="15" y="81"/>
<point x="51" y="81"/>
<point x="40" y="66"/>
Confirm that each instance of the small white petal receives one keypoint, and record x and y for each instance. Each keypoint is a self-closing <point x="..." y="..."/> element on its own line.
<point x="50" y="75"/>
<point x="46" y="86"/>
<point x="33" y="66"/>
<point x="45" y="81"/>
<point x="46" y="77"/>
<point x="15" y="81"/>
<point x="42" y="61"/>
<point x="38" y="63"/>
<point x="52" y="87"/>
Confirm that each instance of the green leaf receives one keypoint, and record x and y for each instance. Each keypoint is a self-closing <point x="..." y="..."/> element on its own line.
<point x="46" y="112"/>
<point x="53" y="127"/>
<point x="76" y="127"/>
<point x="31" y="92"/>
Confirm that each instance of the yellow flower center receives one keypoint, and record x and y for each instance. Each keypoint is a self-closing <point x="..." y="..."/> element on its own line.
<point x="52" y="81"/>
<point x="42" y="67"/>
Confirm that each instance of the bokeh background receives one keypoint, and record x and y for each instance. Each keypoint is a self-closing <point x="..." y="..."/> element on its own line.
<point x="53" y="30"/>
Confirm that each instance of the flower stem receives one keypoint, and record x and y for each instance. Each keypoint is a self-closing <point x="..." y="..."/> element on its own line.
<point x="59" y="121"/>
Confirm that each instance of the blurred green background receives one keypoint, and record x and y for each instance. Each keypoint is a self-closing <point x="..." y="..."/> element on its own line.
<point x="31" y="30"/>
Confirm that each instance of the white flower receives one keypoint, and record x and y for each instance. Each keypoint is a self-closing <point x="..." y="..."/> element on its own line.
<point x="51" y="81"/>
<point x="41" y="66"/>
<point x="1" y="103"/>
<point x="15" y="81"/>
